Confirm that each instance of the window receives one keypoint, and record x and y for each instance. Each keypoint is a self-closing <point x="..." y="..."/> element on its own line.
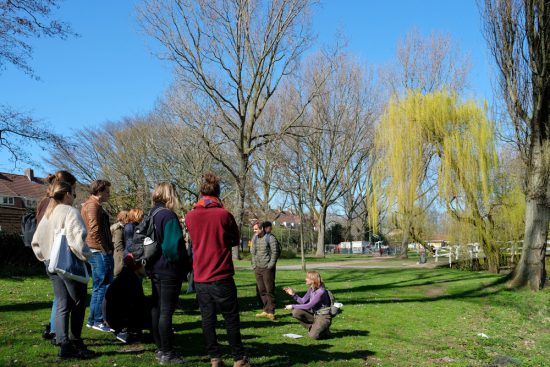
<point x="30" y="203"/>
<point x="7" y="200"/>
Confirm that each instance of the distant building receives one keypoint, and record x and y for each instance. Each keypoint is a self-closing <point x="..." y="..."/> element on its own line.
<point x="18" y="193"/>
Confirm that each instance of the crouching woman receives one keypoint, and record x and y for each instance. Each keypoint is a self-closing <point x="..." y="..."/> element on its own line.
<point x="313" y="309"/>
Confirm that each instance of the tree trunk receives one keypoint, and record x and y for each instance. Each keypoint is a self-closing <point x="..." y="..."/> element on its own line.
<point x="321" y="233"/>
<point x="531" y="270"/>
<point x="240" y="215"/>
<point x="404" y="253"/>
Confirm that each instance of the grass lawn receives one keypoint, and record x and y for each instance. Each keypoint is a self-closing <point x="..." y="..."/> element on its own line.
<point x="391" y="317"/>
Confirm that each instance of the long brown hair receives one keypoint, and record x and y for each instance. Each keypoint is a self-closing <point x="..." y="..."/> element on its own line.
<point x="59" y="176"/>
<point x="58" y="190"/>
<point x="315" y="278"/>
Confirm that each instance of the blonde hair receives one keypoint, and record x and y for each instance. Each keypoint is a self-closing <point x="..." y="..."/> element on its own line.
<point x="58" y="190"/>
<point x="122" y="216"/>
<point x="315" y="278"/>
<point x="134" y="216"/>
<point x="166" y="193"/>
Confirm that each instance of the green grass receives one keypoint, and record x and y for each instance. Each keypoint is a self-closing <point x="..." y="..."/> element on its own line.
<point x="391" y="317"/>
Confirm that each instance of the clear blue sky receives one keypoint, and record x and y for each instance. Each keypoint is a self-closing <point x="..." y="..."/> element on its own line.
<point x="108" y="72"/>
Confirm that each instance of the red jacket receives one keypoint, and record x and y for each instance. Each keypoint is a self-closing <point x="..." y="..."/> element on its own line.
<point x="213" y="232"/>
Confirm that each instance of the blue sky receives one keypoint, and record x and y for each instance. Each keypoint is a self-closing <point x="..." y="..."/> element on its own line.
<point x="109" y="72"/>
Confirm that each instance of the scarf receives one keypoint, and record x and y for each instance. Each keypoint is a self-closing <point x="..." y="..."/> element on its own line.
<point x="208" y="202"/>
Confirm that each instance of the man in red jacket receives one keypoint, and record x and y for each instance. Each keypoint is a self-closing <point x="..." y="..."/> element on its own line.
<point x="213" y="232"/>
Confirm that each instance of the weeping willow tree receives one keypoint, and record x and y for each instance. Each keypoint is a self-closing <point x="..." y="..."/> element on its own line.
<point x="403" y="169"/>
<point x="438" y="133"/>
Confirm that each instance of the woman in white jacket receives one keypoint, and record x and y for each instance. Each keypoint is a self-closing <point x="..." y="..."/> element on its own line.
<point x="70" y="295"/>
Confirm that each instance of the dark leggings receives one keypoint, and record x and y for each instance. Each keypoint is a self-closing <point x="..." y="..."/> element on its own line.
<point x="166" y="293"/>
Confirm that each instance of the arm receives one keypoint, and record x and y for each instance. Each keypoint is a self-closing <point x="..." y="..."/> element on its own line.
<point x="75" y="230"/>
<point x="93" y="215"/>
<point x="36" y="239"/>
<point x="172" y="239"/>
<point x="253" y="252"/>
<point x="118" y="238"/>
<point x="314" y="298"/>
<point x="274" y="252"/>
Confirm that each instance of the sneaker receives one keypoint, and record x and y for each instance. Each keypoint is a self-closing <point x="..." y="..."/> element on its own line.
<point x="122" y="336"/>
<point x="47" y="333"/>
<point x="171" y="358"/>
<point x="261" y="314"/>
<point x="88" y="325"/>
<point x="101" y="326"/>
<point x="270" y="316"/>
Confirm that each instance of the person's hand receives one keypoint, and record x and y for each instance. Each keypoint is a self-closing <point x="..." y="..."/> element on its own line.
<point x="288" y="307"/>
<point x="289" y="291"/>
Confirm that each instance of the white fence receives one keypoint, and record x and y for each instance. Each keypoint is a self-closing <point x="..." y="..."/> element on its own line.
<point x="473" y="251"/>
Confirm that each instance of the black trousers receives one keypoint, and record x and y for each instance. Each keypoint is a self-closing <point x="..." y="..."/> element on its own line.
<point x="221" y="295"/>
<point x="166" y="292"/>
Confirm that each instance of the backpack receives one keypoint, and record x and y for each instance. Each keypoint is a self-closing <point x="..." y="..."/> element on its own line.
<point x="279" y="248"/>
<point x="144" y="245"/>
<point x="28" y="227"/>
<point x="331" y="310"/>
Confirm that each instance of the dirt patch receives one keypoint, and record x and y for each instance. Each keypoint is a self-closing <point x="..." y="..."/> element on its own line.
<point x="435" y="291"/>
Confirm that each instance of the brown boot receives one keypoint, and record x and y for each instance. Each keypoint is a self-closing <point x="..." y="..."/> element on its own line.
<point x="242" y="363"/>
<point x="217" y="362"/>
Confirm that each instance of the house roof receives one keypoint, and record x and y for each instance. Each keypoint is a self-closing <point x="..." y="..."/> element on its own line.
<point x="21" y="186"/>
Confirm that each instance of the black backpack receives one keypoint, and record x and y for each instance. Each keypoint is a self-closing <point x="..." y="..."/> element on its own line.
<point x="144" y="245"/>
<point x="28" y="227"/>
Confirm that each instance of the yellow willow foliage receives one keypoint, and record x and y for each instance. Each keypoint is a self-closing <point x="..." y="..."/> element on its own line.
<point x="462" y="139"/>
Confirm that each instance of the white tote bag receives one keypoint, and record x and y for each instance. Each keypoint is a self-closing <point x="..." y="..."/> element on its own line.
<point x="64" y="262"/>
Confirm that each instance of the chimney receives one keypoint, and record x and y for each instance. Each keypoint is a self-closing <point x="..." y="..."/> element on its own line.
<point x="30" y="174"/>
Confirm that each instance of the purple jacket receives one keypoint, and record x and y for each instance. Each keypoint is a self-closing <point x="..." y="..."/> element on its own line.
<point x="313" y="300"/>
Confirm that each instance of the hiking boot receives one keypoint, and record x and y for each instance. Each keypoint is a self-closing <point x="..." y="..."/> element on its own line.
<point x="261" y="314"/>
<point x="82" y="349"/>
<point x="101" y="326"/>
<point x="47" y="333"/>
<point x="242" y="363"/>
<point x="70" y="350"/>
<point x="270" y="316"/>
<point x="217" y="362"/>
<point x="171" y="358"/>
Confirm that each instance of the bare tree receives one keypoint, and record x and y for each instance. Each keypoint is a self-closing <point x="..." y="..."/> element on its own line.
<point x="518" y="34"/>
<point x="232" y="55"/>
<point x="20" y="21"/>
<point x="336" y="140"/>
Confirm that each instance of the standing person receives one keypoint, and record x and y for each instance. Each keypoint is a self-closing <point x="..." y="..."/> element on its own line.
<point x="265" y="252"/>
<point x="214" y="232"/>
<point x="59" y="176"/>
<point x="117" y="234"/>
<point x="308" y="308"/>
<point x="70" y="294"/>
<point x="134" y="217"/>
<point x="168" y="268"/>
<point x="100" y="242"/>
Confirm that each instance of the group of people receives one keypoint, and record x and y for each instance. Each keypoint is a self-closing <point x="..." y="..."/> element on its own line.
<point x="118" y="303"/>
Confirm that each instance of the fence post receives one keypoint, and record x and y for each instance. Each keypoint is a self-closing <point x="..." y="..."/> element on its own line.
<point x="450" y="256"/>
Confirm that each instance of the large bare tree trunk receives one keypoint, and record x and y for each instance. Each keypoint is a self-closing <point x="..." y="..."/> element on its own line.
<point x="321" y="222"/>
<point x="404" y="253"/>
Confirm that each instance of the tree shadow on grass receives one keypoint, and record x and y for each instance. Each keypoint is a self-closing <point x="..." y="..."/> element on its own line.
<point x="290" y="354"/>
<point x="483" y="290"/>
<point x="28" y="306"/>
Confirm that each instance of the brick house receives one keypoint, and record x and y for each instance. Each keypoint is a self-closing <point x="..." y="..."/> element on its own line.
<point x="18" y="193"/>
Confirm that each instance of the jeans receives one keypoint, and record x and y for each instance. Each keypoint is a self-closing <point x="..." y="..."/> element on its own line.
<point x="316" y="325"/>
<point x="165" y="296"/>
<point x="220" y="295"/>
<point x="71" y="307"/>
<point x="102" y="275"/>
<point x="265" y="281"/>
<point x="54" y="304"/>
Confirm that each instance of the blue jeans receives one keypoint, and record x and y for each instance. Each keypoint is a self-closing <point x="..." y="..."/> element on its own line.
<point x="220" y="296"/>
<point x="54" y="304"/>
<point x="102" y="275"/>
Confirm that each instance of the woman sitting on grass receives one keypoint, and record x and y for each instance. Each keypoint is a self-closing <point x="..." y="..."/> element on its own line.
<point x="311" y="309"/>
